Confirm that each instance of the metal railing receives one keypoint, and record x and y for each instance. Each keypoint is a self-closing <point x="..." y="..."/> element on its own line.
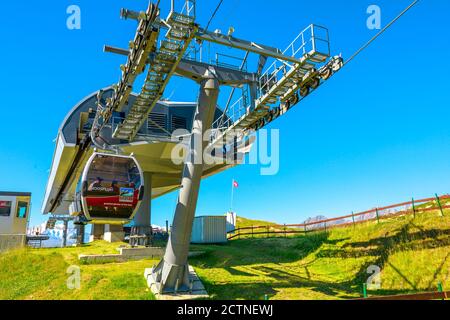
<point x="235" y="63"/>
<point x="236" y="111"/>
<point x="189" y="8"/>
<point x="163" y="133"/>
<point x="306" y="44"/>
<point x="294" y="48"/>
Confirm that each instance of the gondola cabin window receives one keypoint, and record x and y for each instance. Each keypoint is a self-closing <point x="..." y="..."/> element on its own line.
<point x="5" y="208"/>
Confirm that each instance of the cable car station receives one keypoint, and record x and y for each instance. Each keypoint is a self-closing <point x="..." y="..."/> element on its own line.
<point x="114" y="151"/>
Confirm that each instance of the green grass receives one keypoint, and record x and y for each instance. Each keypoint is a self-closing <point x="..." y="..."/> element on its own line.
<point x="245" y="223"/>
<point x="41" y="274"/>
<point x="413" y="254"/>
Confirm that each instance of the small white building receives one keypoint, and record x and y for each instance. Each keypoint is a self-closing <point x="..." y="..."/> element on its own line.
<point x="14" y="216"/>
<point x="209" y="230"/>
<point x="231" y="221"/>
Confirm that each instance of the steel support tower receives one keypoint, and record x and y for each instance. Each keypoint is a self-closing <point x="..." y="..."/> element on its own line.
<point x="160" y="46"/>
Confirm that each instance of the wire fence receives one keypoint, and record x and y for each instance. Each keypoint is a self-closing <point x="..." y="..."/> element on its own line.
<point x="413" y="207"/>
<point x="437" y="295"/>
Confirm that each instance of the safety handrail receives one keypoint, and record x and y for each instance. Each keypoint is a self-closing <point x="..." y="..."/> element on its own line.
<point x="235" y="112"/>
<point x="272" y="72"/>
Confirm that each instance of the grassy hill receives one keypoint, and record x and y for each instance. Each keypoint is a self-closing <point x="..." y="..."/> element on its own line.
<point x="245" y="223"/>
<point x="412" y="253"/>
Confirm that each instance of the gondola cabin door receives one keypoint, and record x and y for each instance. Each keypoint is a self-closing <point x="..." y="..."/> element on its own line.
<point x="112" y="188"/>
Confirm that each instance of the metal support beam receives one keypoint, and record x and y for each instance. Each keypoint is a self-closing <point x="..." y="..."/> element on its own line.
<point x="172" y="273"/>
<point x="226" y="76"/>
<point x="230" y="97"/>
<point x="142" y="220"/>
<point x="134" y="15"/>
<point x="244" y="45"/>
<point x="195" y="70"/>
<point x="261" y="64"/>
<point x="143" y="216"/>
<point x="80" y="234"/>
<point x="111" y="49"/>
<point x="66" y="226"/>
<point x="229" y="41"/>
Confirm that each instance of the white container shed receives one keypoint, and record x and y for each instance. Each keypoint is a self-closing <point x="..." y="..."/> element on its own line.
<point x="209" y="229"/>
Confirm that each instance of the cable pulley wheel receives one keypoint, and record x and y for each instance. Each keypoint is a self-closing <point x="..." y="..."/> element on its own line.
<point x="294" y="99"/>
<point x="287" y="105"/>
<point x="314" y="83"/>
<point x="259" y="124"/>
<point x="269" y="117"/>
<point x="276" y="112"/>
<point x="338" y="63"/>
<point x="304" y="91"/>
<point x="326" y="74"/>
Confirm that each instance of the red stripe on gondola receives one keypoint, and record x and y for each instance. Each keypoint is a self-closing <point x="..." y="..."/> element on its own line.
<point x="110" y="201"/>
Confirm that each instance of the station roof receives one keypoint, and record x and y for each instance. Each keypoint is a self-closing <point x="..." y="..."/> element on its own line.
<point x="15" y="194"/>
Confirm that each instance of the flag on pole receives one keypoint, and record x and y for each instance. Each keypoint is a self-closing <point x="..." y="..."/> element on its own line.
<point x="234" y="185"/>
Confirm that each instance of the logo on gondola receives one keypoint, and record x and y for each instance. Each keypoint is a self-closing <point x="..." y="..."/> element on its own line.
<point x="126" y="194"/>
<point x="102" y="189"/>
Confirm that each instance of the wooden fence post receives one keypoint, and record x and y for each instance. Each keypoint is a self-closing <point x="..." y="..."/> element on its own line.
<point x="267" y="231"/>
<point x="439" y="204"/>
<point x="285" y="234"/>
<point x="353" y="218"/>
<point x="440" y="289"/>
<point x="414" y="208"/>
<point x="378" y="216"/>
<point x="252" y="231"/>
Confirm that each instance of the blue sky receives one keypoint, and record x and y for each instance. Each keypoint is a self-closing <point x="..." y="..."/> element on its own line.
<point x="375" y="134"/>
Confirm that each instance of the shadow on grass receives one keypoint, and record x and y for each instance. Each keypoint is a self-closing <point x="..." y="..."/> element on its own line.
<point x="382" y="248"/>
<point x="402" y="240"/>
<point x="278" y="251"/>
<point x="269" y="250"/>
<point x="241" y="253"/>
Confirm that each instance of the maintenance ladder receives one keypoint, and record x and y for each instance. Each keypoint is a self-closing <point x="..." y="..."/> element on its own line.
<point x="163" y="62"/>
